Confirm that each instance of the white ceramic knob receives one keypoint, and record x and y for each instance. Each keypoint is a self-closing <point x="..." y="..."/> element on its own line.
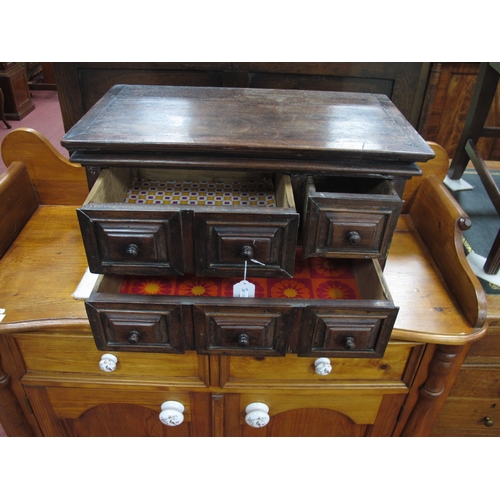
<point x="257" y="415"/>
<point x="108" y="362"/>
<point x="172" y="413"/>
<point x="322" y="366"/>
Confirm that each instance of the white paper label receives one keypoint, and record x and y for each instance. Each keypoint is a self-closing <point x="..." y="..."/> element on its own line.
<point x="244" y="289"/>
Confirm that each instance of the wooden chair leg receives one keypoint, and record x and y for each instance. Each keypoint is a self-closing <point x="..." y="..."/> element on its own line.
<point x="492" y="264"/>
<point x="482" y="97"/>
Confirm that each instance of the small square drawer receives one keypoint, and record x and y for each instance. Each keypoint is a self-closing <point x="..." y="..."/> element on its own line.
<point x="243" y="330"/>
<point x="332" y="307"/>
<point x="349" y="217"/>
<point x="160" y="222"/>
<point x="140" y="323"/>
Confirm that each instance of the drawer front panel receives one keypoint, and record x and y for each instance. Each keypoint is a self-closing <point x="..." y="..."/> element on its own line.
<point x="136" y="326"/>
<point x="294" y="370"/>
<point x="355" y="332"/>
<point x="477" y="382"/>
<point x="132" y="242"/>
<point x="78" y="354"/>
<point x="468" y="417"/>
<point x="486" y="350"/>
<point x="242" y="331"/>
<point x="227" y="240"/>
<point x="350" y="225"/>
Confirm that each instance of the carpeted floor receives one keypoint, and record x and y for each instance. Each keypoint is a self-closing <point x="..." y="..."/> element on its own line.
<point x="485" y="220"/>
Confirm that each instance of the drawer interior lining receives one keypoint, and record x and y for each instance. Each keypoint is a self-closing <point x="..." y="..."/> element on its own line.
<point x="175" y="187"/>
<point x="315" y="278"/>
<point x="217" y="193"/>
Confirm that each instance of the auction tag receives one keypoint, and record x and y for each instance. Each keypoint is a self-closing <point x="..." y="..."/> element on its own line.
<point x="244" y="289"/>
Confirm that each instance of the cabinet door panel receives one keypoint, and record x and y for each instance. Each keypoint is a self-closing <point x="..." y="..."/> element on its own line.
<point x="304" y="414"/>
<point x="308" y="422"/>
<point x="108" y="412"/>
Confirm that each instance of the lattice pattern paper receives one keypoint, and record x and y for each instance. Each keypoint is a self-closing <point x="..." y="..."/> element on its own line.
<point x="315" y="278"/>
<point x="251" y="193"/>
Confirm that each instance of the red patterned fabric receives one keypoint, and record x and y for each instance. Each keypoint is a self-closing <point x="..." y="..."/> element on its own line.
<point x="314" y="278"/>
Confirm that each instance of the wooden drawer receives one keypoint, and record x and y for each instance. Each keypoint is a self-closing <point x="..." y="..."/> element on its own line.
<point x="77" y="354"/>
<point x="349" y="217"/>
<point x="244" y="330"/>
<point x="352" y="326"/>
<point x="160" y="222"/>
<point x="391" y="371"/>
<point x="155" y="325"/>
<point x="469" y="417"/>
<point x="486" y="350"/>
<point x="477" y="382"/>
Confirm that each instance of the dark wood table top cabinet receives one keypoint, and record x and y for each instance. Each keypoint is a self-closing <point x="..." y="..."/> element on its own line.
<point x="320" y="292"/>
<point x="335" y="159"/>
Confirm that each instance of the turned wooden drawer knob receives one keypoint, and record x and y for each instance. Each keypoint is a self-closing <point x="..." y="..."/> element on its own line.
<point x="488" y="422"/>
<point x="246" y="253"/>
<point x="243" y="340"/>
<point x="108" y="362"/>
<point x="172" y="413"/>
<point x="353" y="238"/>
<point x="322" y="366"/>
<point x="349" y="343"/>
<point x="134" y="337"/>
<point x="257" y="415"/>
<point x="132" y="251"/>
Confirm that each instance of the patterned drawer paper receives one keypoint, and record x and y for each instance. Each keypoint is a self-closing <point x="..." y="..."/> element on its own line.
<point x="251" y="193"/>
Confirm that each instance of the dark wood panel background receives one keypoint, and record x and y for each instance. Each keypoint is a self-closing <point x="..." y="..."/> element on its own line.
<point x="434" y="97"/>
<point x="454" y="85"/>
<point x="80" y="85"/>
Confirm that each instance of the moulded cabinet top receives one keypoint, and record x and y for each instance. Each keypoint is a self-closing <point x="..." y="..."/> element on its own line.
<point x="263" y="123"/>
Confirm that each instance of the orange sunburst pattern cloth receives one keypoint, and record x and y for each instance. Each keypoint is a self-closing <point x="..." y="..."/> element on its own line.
<point x="315" y="278"/>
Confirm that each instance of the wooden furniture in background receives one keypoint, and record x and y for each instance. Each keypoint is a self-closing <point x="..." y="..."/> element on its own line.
<point x="433" y="97"/>
<point x="450" y="96"/>
<point x="51" y="383"/>
<point x="14" y="84"/>
<point x="81" y="85"/>
<point x="482" y="100"/>
<point x="2" y="115"/>
<point x="473" y="406"/>
<point x="40" y="76"/>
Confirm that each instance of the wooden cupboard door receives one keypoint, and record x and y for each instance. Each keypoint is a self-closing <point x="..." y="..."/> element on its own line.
<point x="307" y="422"/>
<point x="116" y="412"/>
<point x="304" y="414"/>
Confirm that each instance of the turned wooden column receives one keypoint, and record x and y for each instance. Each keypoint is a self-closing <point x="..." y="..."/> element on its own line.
<point x="443" y="368"/>
<point x="11" y="415"/>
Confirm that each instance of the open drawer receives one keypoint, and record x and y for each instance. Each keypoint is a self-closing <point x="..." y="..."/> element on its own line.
<point x="349" y="217"/>
<point x="172" y="222"/>
<point x="336" y="308"/>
